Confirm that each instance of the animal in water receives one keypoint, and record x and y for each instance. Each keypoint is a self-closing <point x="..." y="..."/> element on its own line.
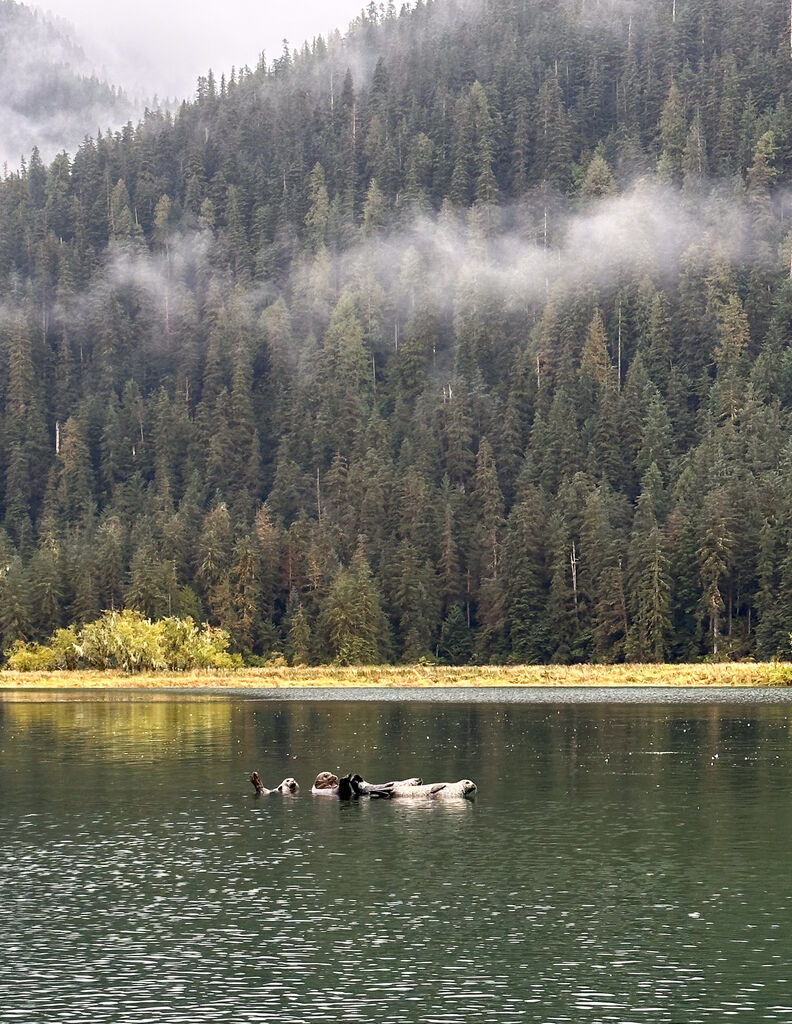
<point x="326" y="784"/>
<point x="350" y="787"/>
<point x="345" y="790"/>
<point x="435" y="791"/>
<point x="287" y="787"/>
<point x="354" y="785"/>
<point x="381" y="789"/>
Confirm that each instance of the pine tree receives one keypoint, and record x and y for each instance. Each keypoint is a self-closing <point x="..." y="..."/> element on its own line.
<point x="715" y="555"/>
<point x="527" y="580"/>
<point x="673" y="134"/>
<point x="599" y="182"/>
<point x="246" y="597"/>
<point x="214" y="557"/>
<point x="417" y="599"/>
<point x="298" y="640"/>
<point x="316" y="220"/>
<point x="455" y="645"/>
<point x="650" y="585"/>
<point x="352" y="616"/>
<point x="15" y="606"/>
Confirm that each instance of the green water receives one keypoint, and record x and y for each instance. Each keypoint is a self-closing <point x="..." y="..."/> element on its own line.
<point x="622" y="863"/>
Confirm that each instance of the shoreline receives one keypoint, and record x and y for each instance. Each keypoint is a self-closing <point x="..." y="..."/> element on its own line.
<point x="740" y="674"/>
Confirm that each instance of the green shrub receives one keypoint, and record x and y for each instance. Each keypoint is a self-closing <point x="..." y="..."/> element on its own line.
<point x="129" y="642"/>
<point x="24" y="657"/>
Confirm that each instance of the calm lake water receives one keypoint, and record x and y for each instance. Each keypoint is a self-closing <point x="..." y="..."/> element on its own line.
<point x="622" y="863"/>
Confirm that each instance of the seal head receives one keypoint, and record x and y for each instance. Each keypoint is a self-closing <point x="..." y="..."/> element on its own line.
<point x="326" y="784"/>
<point x="287" y="787"/>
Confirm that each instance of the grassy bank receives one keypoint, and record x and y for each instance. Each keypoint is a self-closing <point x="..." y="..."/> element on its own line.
<point x="765" y="674"/>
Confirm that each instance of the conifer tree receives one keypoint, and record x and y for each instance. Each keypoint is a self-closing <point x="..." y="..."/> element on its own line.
<point x="298" y="639"/>
<point x="15" y="606"/>
<point x="715" y="556"/>
<point x="649" y="578"/>
<point x="353" y="620"/>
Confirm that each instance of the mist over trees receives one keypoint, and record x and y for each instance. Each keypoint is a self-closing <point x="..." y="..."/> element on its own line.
<point x="466" y="336"/>
<point x="50" y="96"/>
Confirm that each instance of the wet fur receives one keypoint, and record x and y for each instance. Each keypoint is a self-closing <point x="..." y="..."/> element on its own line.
<point x="326" y="784"/>
<point x="289" y="786"/>
<point x="436" y="791"/>
<point x="382" y="789"/>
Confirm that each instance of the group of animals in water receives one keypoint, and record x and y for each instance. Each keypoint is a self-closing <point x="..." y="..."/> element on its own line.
<point x="353" y="787"/>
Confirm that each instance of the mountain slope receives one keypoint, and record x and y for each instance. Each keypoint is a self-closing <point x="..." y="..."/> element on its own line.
<point x="48" y="97"/>
<point x="464" y="336"/>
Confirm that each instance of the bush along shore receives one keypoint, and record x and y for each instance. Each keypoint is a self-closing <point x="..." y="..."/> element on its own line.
<point x="126" y="641"/>
<point x="123" y="648"/>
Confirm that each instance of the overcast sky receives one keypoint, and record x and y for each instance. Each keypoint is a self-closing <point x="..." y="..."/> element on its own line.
<point x="161" y="46"/>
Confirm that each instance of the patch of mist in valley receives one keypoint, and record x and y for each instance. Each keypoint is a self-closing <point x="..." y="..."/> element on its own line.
<point x="163" y="46"/>
<point x="507" y="254"/>
<point x="443" y="265"/>
<point x="51" y="96"/>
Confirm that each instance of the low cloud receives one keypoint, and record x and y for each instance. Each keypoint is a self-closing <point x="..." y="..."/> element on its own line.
<point x="521" y="261"/>
<point x="49" y="96"/>
<point x="443" y="263"/>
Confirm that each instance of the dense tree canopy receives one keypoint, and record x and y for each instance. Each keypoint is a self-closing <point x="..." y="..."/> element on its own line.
<point x="465" y="336"/>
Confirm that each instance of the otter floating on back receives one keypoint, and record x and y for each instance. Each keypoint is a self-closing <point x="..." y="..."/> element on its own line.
<point x="287" y="787"/>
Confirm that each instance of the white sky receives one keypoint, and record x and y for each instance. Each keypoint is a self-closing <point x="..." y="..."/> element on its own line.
<point x="162" y="46"/>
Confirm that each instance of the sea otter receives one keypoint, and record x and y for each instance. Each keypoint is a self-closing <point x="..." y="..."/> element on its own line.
<point x="288" y="786"/>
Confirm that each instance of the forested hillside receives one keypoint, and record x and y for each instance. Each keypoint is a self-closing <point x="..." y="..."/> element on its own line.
<point x="465" y="336"/>
<point x="49" y="96"/>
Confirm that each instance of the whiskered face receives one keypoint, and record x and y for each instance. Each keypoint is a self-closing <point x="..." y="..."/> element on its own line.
<point x="468" y="787"/>
<point x="289" y="786"/>
<point x="326" y="780"/>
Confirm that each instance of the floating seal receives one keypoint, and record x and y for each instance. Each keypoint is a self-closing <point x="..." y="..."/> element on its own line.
<point x="288" y="786"/>
<point x="326" y="784"/>
<point x="381" y="789"/>
<point x="345" y="790"/>
<point x="436" y="791"/>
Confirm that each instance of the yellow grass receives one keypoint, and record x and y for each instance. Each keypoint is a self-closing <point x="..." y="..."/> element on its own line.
<point x="728" y="674"/>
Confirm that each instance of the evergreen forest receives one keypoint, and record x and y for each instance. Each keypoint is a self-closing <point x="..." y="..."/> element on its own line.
<point x="464" y="336"/>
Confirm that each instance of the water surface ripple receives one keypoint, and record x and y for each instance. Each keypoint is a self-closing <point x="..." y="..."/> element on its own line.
<point x="621" y="863"/>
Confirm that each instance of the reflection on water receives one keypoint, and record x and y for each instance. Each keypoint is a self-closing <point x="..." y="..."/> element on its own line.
<point x="620" y="864"/>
